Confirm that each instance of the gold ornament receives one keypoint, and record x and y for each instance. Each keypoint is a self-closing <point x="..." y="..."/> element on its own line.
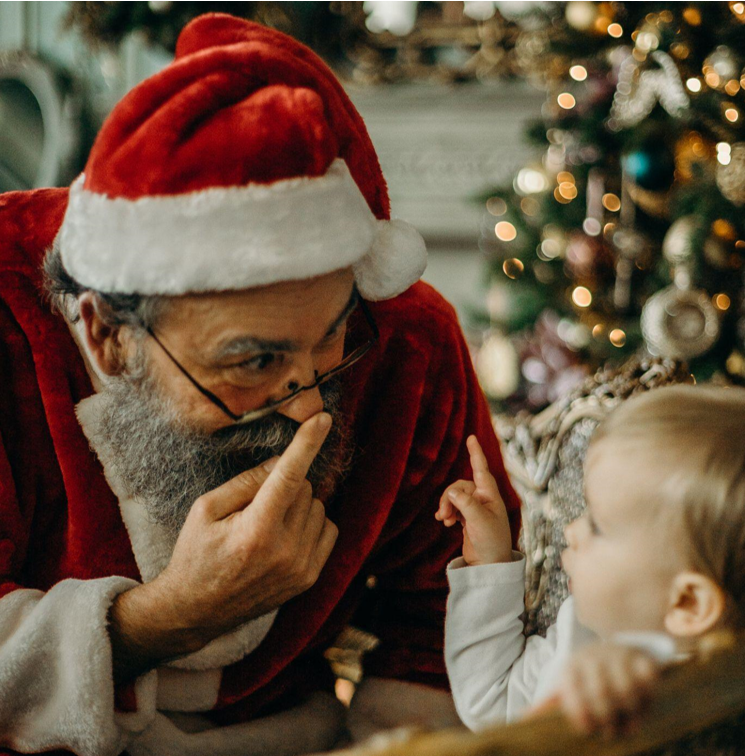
<point x="690" y="150"/>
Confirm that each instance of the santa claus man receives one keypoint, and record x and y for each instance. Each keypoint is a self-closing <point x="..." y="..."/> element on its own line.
<point x="224" y="433"/>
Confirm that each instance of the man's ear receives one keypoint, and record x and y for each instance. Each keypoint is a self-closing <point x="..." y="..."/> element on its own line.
<point x="697" y="604"/>
<point x="102" y="340"/>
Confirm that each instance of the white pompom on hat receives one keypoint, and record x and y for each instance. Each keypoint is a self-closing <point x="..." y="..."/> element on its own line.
<point x="242" y="163"/>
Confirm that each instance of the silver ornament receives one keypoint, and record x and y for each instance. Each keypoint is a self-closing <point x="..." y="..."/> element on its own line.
<point x="679" y="324"/>
<point x="637" y="91"/>
<point x="677" y="246"/>
<point x="731" y="177"/>
<point x="678" y="249"/>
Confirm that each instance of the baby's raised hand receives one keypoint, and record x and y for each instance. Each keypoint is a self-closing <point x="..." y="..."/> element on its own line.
<point x="478" y="506"/>
<point x="606" y="687"/>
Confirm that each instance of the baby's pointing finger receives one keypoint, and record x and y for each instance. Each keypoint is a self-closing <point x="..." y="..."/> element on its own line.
<point x="484" y="480"/>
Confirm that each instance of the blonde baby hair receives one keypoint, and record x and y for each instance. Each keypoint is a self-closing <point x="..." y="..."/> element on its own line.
<point x="696" y="438"/>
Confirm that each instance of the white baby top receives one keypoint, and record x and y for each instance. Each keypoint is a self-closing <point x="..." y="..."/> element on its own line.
<point x="495" y="671"/>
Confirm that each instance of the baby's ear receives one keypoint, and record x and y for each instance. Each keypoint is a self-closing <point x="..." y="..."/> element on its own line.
<point x="696" y="605"/>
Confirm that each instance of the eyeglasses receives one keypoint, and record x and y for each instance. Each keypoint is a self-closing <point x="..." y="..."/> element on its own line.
<point x="248" y="417"/>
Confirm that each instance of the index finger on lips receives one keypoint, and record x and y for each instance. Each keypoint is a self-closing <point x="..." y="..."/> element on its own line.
<point x="483" y="479"/>
<point x="289" y="473"/>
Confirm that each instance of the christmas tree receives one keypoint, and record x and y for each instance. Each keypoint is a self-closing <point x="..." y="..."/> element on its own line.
<point x="628" y="232"/>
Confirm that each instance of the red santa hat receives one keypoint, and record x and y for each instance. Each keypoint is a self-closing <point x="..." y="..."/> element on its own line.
<point x="240" y="164"/>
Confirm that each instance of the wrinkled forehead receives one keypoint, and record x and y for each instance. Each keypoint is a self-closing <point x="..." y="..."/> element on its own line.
<point x="292" y="311"/>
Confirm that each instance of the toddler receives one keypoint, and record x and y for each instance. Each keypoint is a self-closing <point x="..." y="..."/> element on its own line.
<point x="656" y="561"/>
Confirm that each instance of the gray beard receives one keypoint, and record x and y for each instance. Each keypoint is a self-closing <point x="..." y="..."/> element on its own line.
<point x="167" y="465"/>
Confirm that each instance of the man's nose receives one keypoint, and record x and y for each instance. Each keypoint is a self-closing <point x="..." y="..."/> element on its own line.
<point x="306" y="403"/>
<point x="303" y="406"/>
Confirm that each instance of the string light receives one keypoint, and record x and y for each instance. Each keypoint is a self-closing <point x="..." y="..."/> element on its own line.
<point x="731" y="114"/>
<point x="724" y="229"/>
<point x="721" y="302"/>
<point x="712" y="78"/>
<point x="531" y="181"/>
<point x="724" y="153"/>
<point x="567" y="190"/>
<point x="505" y="231"/>
<point x="693" y="85"/>
<point x="582" y="296"/>
<point x="566" y="100"/>
<point x="559" y="198"/>
<point x="615" y="30"/>
<point x="563" y="176"/>
<point x="529" y="206"/>
<point x="548" y="249"/>
<point x="578" y="73"/>
<point x="617" y="337"/>
<point x="598" y="330"/>
<point x="496" y="206"/>
<point x="611" y="202"/>
<point x="591" y="226"/>
<point x="513" y="268"/>
<point x="692" y="16"/>
<point x="732" y="87"/>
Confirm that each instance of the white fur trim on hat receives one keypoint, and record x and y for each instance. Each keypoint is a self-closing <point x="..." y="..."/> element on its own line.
<point x="396" y="260"/>
<point x="236" y="238"/>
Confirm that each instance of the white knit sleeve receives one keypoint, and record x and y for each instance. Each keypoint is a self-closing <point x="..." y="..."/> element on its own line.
<point x="56" y="682"/>
<point x="493" y="671"/>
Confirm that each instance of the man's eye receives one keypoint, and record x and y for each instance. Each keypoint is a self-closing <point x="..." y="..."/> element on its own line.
<point x="259" y="363"/>
<point x="334" y="336"/>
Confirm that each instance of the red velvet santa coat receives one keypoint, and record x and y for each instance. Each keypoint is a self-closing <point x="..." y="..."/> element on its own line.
<point x="414" y="399"/>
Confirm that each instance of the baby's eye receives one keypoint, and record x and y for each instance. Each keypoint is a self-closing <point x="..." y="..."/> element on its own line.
<point x="593" y="525"/>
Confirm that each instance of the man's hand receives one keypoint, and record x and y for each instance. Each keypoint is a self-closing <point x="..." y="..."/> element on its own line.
<point x="606" y="687"/>
<point x="478" y="505"/>
<point x="245" y="549"/>
<point x="254" y="542"/>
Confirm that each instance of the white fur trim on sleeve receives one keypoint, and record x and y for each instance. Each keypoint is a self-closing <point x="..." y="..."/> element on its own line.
<point x="56" y="681"/>
<point x="152" y="546"/>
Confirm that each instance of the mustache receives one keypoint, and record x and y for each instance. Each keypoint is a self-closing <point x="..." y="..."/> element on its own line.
<point x="274" y="431"/>
<point x="167" y="465"/>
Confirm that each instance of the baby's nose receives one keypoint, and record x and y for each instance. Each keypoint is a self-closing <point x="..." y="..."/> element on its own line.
<point x="570" y="534"/>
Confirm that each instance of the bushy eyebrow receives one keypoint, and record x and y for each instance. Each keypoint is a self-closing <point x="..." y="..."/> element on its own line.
<point x="244" y="344"/>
